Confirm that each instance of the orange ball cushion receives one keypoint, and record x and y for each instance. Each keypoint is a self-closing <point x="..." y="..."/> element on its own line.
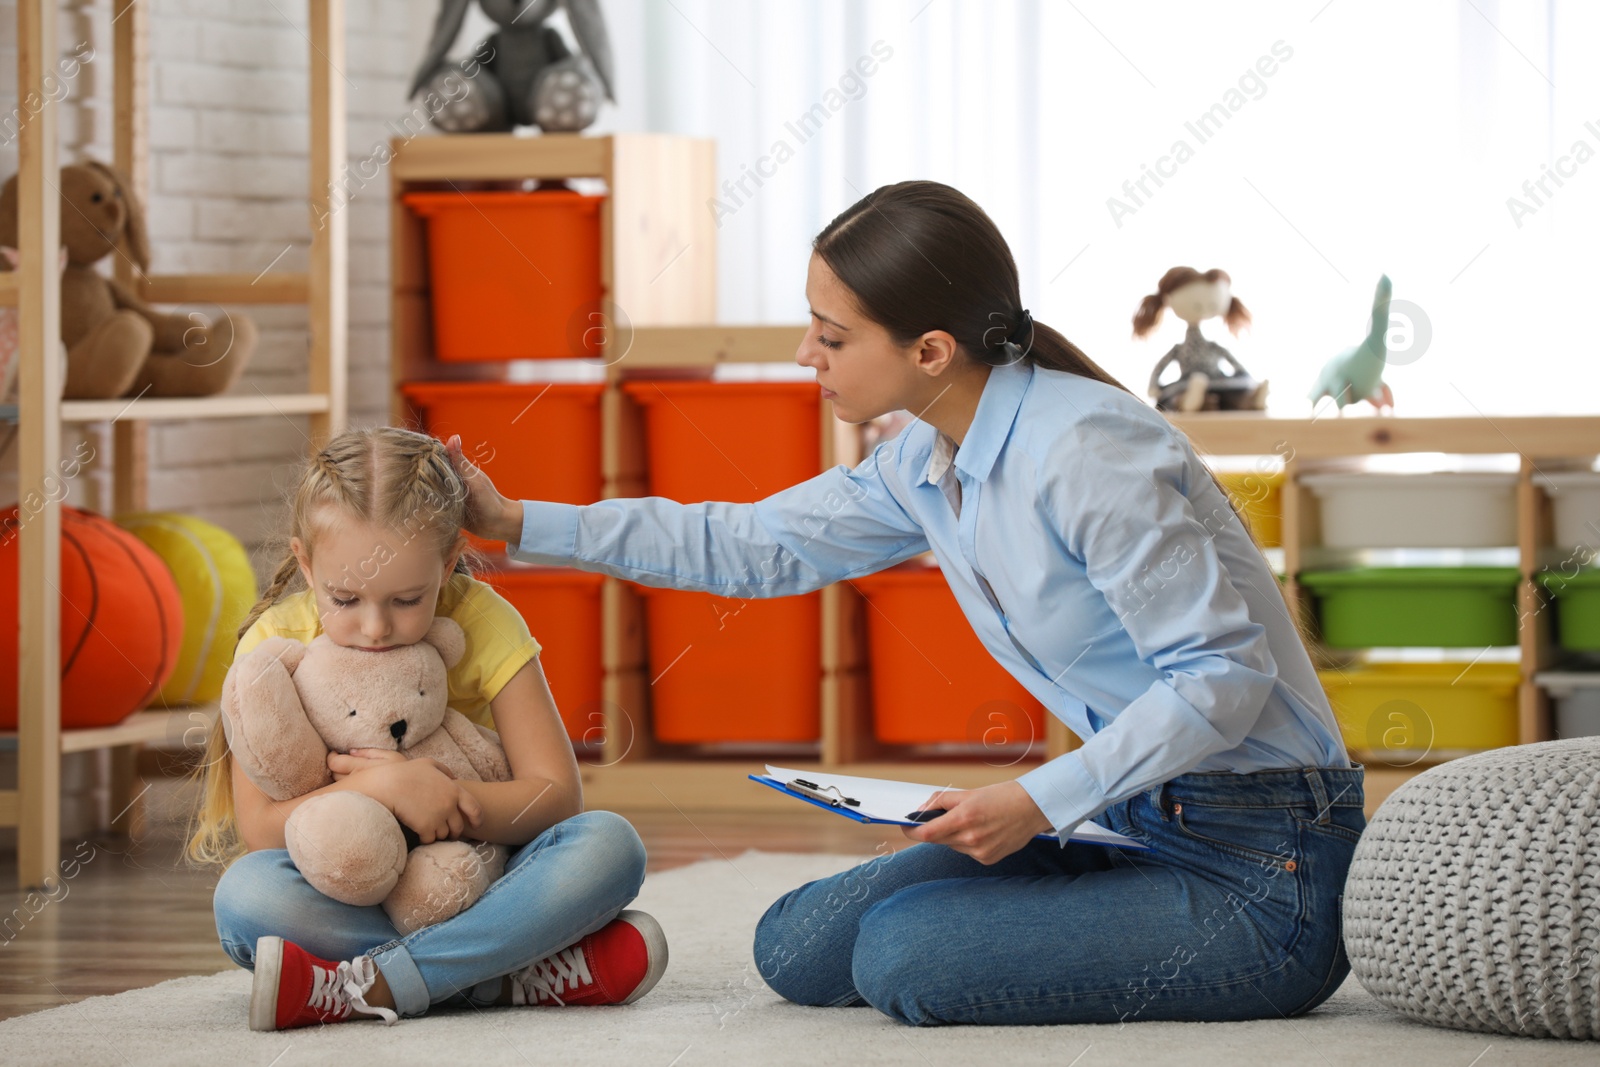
<point x="121" y="620"/>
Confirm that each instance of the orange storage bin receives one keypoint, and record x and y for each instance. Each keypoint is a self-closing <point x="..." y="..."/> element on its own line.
<point x="539" y="441"/>
<point x="932" y="679"/>
<point x="562" y="609"/>
<point x="727" y="669"/>
<point x="515" y="275"/>
<point x="736" y="441"/>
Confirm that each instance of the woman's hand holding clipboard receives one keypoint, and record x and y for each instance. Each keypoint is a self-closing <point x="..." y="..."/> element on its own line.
<point x="988" y="823"/>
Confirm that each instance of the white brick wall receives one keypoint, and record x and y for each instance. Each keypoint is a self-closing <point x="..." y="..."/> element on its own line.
<point x="83" y="120"/>
<point x="228" y="187"/>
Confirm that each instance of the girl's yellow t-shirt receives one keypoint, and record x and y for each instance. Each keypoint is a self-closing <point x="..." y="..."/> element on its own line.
<point x="498" y="641"/>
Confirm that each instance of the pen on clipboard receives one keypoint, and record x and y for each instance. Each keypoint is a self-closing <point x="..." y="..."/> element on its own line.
<point x="820" y="792"/>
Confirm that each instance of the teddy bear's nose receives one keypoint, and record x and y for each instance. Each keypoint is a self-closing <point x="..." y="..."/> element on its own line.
<point x="398" y="729"/>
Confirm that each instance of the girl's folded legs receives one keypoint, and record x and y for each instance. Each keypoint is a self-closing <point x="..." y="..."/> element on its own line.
<point x="535" y="921"/>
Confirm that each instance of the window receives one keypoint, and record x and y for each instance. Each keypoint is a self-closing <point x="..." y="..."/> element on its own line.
<point x="1326" y="143"/>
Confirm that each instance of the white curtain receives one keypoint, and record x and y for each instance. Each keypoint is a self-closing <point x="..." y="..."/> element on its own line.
<point x="1306" y="148"/>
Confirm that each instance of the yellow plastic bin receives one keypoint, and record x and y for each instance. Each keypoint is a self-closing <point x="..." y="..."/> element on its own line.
<point x="1409" y="709"/>
<point x="1259" y="496"/>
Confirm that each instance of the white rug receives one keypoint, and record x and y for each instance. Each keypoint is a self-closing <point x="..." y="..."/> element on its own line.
<point x="711" y="1008"/>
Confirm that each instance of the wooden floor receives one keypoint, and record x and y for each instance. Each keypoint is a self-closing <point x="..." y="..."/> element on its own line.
<point x="136" y="915"/>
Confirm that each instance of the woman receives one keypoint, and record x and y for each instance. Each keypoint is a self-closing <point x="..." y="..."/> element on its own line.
<point x="1102" y="565"/>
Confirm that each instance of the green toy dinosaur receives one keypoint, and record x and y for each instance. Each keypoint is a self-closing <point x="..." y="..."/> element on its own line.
<point x="1357" y="373"/>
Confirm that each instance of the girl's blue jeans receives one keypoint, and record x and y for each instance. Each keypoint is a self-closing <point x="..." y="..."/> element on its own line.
<point x="569" y="881"/>
<point x="1234" y="914"/>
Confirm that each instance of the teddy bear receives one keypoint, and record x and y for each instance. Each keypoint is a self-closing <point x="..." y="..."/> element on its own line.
<point x="286" y="705"/>
<point x="117" y="345"/>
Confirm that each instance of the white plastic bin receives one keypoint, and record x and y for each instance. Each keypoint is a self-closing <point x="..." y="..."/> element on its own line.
<point x="1577" y="699"/>
<point x="1575" y="499"/>
<point x="1445" y="509"/>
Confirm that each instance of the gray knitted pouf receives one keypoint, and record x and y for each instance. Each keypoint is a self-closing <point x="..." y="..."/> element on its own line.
<point x="1474" y="898"/>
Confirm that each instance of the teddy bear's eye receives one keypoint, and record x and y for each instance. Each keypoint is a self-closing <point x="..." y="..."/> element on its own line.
<point x="420" y="693"/>
<point x="352" y="711"/>
<point x="97" y="197"/>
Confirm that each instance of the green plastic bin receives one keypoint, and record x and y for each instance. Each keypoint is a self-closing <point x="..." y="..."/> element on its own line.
<point x="1577" y="599"/>
<point x="1448" y="607"/>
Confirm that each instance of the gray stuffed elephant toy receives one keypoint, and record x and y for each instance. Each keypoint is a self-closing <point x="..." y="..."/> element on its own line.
<point x="522" y="75"/>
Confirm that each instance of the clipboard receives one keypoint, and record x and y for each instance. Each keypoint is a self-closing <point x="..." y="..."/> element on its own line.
<point x="886" y="802"/>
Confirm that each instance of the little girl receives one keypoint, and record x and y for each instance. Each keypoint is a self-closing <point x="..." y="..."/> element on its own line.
<point x="376" y="535"/>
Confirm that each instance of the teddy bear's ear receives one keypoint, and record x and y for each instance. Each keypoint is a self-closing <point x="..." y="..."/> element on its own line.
<point x="448" y="638"/>
<point x="8" y="212"/>
<point x="135" y="237"/>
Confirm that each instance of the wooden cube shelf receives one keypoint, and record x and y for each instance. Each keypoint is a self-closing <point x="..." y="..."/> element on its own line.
<point x="1546" y="443"/>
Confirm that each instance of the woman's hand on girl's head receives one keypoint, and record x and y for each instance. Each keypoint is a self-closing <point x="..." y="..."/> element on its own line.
<point x="425" y="796"/>
<point x="987" y="824"/>
<point x="360" y="759"/>
<point x="489" y="515"/>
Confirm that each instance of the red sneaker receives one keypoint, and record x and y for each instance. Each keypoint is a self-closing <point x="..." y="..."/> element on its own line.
<point x="617" y="964"/>
<point x="294" y="988"/>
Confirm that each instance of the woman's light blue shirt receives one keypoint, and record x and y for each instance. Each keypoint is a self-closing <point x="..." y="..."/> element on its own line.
<point x="1085" y="542"/>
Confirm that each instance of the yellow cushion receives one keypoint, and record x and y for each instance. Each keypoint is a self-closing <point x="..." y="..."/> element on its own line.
<point x="217" y="587"/>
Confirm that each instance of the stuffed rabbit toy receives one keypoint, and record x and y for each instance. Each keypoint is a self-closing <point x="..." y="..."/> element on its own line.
<point x="117" y="345"/>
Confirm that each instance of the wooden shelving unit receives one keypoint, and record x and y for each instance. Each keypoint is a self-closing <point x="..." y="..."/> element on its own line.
<point x="1542" y="443"/>
<point x="34" y="808"/>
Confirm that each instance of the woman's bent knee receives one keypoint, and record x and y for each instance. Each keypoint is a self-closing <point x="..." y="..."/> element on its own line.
<point x="795" y="957"/>
<point x="888" y="967"/>
<point x="773" y="955"/>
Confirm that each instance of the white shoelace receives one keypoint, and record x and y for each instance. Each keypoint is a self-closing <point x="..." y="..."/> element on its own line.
<point x="548" y="978"/>
<point x="344" y="989"/>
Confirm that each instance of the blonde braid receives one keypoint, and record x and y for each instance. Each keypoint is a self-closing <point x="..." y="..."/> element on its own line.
<point x="281" y="580"/>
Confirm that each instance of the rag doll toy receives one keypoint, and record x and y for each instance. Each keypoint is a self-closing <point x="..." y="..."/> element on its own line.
<point x="117" y="345"/>
<point x="523" y="75"/>
<point x="1209" y="378"/>
<point x="286" y="705"/>
<point x="1357" y="373"/>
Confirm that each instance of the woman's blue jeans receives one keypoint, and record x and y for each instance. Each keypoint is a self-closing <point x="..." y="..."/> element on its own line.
<point x="569" y="881"/>
<point x="1234" y="914"/>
